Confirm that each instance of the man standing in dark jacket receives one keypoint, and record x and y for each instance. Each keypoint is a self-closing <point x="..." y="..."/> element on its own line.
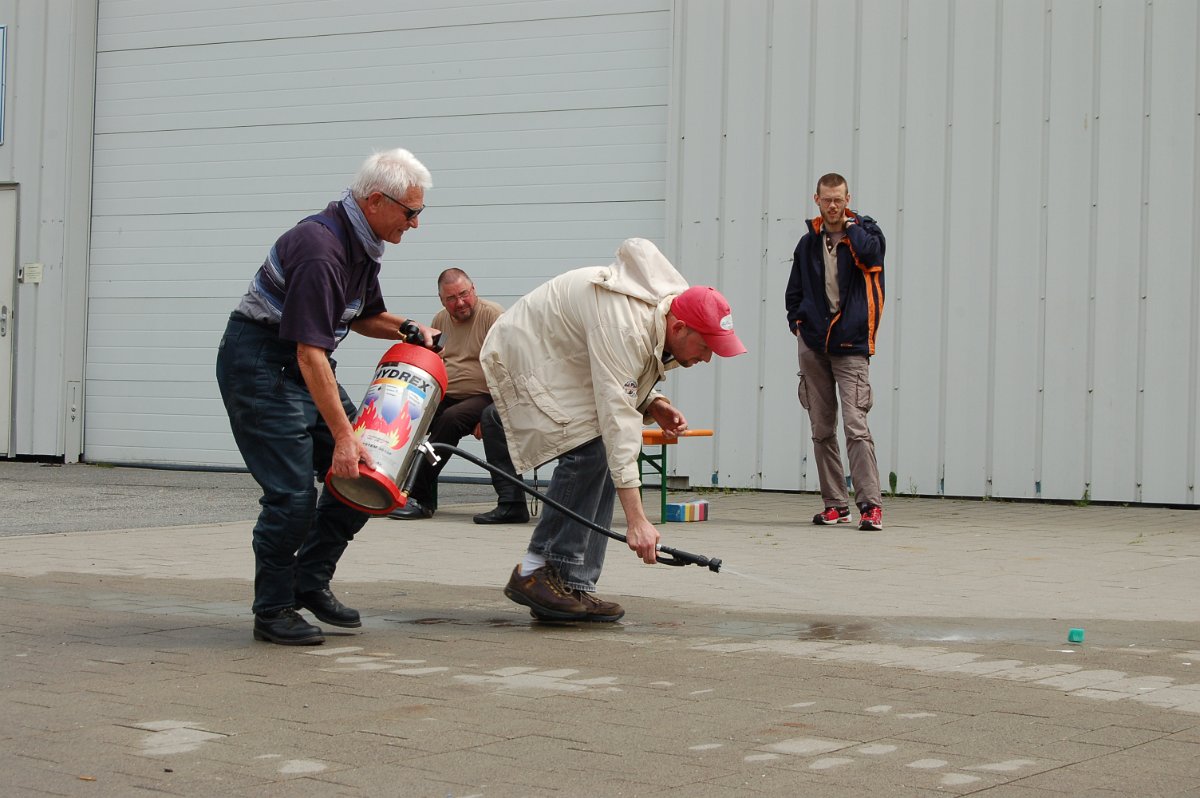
<point x="290" y="417"/>
<point x="834" y="304"/>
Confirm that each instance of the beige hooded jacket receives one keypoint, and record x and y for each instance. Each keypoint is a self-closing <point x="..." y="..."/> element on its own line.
<point x="578" y="357"/>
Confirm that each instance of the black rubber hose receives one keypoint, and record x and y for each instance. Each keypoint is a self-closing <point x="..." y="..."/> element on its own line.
<point x="674" y="556"/>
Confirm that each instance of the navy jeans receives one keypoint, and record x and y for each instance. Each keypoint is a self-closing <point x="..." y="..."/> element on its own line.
<point x="285" y="443"/>
<point x="581" y="482"/>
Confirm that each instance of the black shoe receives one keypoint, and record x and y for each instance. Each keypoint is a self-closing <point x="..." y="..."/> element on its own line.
<point x="508" y="513"/>
<point x="324" y="605"/>
<point x="411" y="511"/>
<point x="286" y="628"/>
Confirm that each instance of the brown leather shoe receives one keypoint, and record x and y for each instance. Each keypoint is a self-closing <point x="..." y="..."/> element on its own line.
<point x="598" y="609"/>
<point x="543" y="592"/>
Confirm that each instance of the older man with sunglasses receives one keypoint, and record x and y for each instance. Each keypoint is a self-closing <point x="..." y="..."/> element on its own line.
<point x="290" y="417"/>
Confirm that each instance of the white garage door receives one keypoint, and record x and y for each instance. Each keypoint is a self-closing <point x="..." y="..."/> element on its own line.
<point x="220" y="124"/>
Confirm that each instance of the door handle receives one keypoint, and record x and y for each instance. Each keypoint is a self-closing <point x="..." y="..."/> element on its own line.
<point x="3" y="320"/>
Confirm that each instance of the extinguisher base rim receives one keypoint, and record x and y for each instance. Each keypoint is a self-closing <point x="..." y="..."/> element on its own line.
<point x="369" y="483"/>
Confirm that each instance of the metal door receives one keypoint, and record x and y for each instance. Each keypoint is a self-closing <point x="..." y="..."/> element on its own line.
<point x="8" y="281"/>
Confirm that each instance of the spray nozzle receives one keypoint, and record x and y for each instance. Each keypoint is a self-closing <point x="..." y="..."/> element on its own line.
<point x="677" y="557"/>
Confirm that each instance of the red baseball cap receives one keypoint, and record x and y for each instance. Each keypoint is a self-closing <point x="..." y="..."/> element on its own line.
<point x="703" y="309"/>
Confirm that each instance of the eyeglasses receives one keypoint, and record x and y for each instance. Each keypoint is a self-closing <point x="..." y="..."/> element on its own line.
<point x="409" y="213"/>
<point x="461" y="296"/>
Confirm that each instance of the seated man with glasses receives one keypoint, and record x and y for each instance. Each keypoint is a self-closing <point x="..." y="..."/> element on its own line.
<point x="464" y="321"/>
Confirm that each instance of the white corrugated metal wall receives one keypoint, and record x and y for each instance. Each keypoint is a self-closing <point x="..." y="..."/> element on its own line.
<point x="1034" y="165"/>
<point x="220" y="124"/>
<point x="1036" y="168"/>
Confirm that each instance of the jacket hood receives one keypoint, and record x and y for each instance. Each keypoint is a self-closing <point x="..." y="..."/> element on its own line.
<point x="642" y="272"/>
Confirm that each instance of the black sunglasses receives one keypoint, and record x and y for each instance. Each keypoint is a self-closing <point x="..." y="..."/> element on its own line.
<point x="409" y="213"/>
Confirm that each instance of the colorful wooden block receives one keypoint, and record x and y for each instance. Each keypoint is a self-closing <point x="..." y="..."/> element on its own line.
<point x="696" y="510"/>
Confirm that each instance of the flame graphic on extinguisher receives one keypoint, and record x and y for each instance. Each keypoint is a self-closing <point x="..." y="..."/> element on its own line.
<point x="388" y="415"/>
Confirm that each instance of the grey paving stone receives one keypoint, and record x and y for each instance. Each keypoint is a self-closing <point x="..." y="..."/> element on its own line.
<point x="127" y="651"/>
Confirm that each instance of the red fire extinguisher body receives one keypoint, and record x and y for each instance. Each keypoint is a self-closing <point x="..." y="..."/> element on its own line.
<point x="393" y="418"/>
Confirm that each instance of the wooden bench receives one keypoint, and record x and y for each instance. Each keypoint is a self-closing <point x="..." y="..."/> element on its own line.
<point x="658" y="461"/>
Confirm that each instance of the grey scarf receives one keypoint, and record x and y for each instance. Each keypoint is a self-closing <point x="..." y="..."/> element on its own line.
<point x="372" y="243"/>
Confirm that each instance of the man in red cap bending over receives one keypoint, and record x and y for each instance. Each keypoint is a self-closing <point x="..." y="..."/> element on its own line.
<point x="572" y="368"/>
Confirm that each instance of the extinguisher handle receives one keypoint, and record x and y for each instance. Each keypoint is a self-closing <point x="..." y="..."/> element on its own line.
<point x="411" y="332"/>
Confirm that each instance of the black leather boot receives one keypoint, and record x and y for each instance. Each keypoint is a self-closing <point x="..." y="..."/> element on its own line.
<point x="506" y="513"/>
<point x="327" y="608"/>
<point x="286" y="628"/>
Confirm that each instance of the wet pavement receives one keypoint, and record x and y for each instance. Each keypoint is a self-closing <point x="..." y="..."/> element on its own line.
<point x="930" y="658"/>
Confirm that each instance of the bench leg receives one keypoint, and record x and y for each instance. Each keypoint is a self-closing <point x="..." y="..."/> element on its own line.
<point x="658" y="464"/>
<point x="662" y="504"/>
